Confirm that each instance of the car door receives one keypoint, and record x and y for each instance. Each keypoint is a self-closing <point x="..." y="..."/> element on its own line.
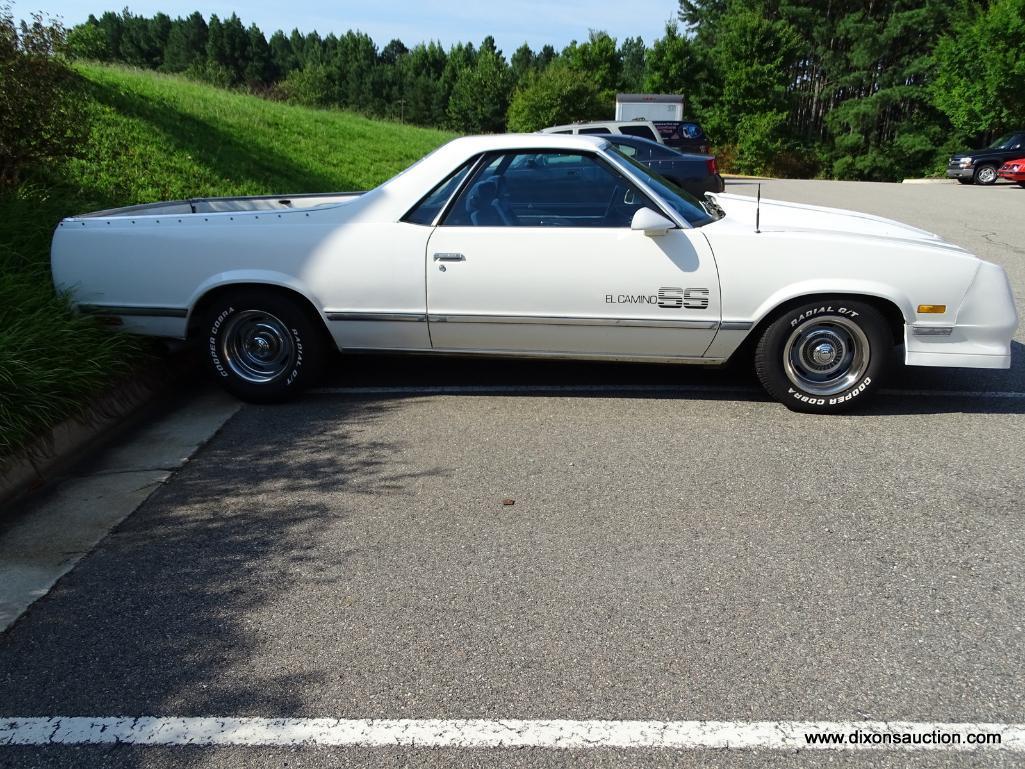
<point x="514" y="271"/>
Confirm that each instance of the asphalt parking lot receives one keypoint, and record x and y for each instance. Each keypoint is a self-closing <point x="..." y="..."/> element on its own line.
<point x="679" y="549"/>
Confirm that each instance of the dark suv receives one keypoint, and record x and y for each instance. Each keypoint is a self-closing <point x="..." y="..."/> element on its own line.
<point x="980" y="166"/>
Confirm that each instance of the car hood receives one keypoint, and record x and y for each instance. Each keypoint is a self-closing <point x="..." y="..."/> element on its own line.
<point x="782" y="216"/>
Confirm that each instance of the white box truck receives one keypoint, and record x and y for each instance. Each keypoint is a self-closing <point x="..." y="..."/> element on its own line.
<point x="649" y="106"/>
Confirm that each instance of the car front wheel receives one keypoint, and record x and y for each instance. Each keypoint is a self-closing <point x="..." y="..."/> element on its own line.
<point x="262" y="346"/>
<point x="985" y="175"/>
<point x="824" y="357"/>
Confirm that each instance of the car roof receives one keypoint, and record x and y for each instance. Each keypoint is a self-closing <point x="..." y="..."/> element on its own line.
<point x="630" y="139"/>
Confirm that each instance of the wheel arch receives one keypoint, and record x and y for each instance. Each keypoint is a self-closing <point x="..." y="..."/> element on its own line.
<point x="210" y="293"/>
<point x="890" y="309"/>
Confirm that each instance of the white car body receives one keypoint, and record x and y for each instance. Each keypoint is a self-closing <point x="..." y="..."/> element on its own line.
<point x="379" y="283"/>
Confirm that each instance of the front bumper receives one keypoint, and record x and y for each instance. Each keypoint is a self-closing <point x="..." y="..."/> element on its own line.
<point x="1012" y="176"/>
<point x="981" y="334"/>
<point x="959" y="172"/>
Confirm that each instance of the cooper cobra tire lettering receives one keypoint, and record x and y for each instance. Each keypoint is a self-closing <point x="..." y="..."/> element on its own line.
<point x="214" y="357"/>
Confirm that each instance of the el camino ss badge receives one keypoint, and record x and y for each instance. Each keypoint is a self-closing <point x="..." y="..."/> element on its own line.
<point x="668" y="297"/>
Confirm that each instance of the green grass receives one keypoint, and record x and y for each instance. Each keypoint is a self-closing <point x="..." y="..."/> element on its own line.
<point x="155" y="137"/>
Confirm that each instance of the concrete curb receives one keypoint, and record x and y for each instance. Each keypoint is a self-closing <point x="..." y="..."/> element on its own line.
<point x="122" y="407"/>
<point x="927" y="181"/>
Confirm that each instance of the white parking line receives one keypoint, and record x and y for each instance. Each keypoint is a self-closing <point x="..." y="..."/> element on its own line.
<point x="511" y="733"/>
<point x="625" y="388"/>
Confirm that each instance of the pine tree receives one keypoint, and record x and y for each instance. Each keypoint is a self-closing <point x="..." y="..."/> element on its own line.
<point x="258" y="68"/>
<point x="282" y="56"/>
<point x="480" y="96"/>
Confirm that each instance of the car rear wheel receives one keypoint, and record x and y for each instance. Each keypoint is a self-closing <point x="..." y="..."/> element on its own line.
<point x="262" y="346"/>
<point x="986" y="174"/>
<point x="826" y="356"/>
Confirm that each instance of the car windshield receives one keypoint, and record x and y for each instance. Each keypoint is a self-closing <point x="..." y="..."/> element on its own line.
<point x="1003" y="141"/>
<point x="696" y="212"/>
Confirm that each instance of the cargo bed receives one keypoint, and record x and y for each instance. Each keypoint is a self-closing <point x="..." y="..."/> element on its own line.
<point x="228" y="205"/>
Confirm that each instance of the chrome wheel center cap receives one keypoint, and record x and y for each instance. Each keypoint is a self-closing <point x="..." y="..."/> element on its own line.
<point x="824" y="353"/>
<point x="259" y="347"/>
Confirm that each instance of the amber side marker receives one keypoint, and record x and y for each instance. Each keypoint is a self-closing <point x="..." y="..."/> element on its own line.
<point x="925" y="309"/>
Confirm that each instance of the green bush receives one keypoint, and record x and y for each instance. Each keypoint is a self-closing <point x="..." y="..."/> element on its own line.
<point x="559" y="94"/>
<point x="310" y="86"/>
<point x="40" y="115"/>
<point x="89" y="41"/>
<point x="980" y="77"/>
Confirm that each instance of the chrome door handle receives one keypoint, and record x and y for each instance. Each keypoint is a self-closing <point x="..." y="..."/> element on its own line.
<point x="449" y="257"/>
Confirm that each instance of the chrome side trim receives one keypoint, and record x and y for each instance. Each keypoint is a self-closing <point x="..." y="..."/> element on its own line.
<point x="457" y="352"/>
<point x="933" y="330"/>
<point x="394" y="317"/>
<point x="563" y="320"/>
<point x="133" y="310"/>
<point x="735" y="325"/>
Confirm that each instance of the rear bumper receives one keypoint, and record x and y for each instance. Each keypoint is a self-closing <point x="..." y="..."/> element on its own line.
<point x="980" y="336"/>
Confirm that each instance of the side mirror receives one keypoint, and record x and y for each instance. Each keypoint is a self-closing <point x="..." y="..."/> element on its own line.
<point x="651" y="223"/>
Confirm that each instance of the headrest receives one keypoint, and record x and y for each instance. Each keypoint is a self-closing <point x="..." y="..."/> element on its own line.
<point x="482" y="194"/>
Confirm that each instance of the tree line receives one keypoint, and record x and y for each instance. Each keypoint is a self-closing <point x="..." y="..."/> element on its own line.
<point x="859" y="89"/>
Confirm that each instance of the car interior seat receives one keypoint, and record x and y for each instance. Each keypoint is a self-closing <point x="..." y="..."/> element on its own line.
<point x="487" y="206"/>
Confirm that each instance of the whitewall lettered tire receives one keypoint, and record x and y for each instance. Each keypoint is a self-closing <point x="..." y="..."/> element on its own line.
<point x="825" y="356"/>
<point x="261" y="345"/>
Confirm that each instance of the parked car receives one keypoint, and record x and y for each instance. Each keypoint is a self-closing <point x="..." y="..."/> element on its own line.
<point x="1013" y="171"/>
<point x="697" y="174"/>
<point x="980" y="166"/>
<point x="645" y="129"/>
<point x="539" y="245"/>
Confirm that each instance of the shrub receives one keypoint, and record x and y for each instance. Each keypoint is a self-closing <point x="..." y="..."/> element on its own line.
<point x="310" y="86"/>
<point x="40" y="116"/>
<point x="556" y="95"/>
<point x="89" y="41"/>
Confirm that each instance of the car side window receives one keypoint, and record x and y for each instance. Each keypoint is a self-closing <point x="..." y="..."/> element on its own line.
<point x="546" y="189"/>
<point x="427" y="210"/>
<point x="641" y="131"/>
<point x="598" y="130"/>
<point x="641" y="153"/>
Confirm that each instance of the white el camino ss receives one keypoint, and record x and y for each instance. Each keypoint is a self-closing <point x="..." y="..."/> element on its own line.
<point x="539" y="245"/>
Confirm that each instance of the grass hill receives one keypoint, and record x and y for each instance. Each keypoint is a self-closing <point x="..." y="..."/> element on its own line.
<point x="155" y="137"/>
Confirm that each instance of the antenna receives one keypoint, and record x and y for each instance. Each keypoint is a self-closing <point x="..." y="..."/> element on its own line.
<point x="758" y="209"/>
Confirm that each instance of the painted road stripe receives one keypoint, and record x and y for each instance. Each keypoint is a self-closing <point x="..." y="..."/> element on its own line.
<point x="511" y="733"/>
<point x="626" y="388"/>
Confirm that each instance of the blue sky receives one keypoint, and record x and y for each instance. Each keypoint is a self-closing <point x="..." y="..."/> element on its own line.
<point x="512" y="22"/>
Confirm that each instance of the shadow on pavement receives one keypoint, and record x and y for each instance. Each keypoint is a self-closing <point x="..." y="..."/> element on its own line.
<point x="736" y="381"/>
<point x="167" y="609"/>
